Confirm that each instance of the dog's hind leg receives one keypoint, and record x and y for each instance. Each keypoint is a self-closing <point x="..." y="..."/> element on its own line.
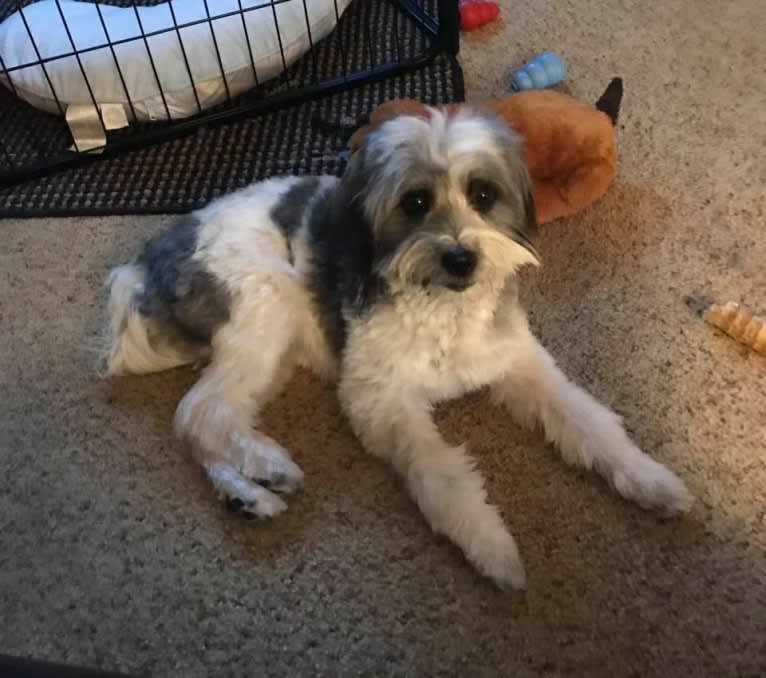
<point x="252" y="356"/>
<point x="396" y="425"/>
<point x="136" y="343"/>
<point x="587" y="433"/>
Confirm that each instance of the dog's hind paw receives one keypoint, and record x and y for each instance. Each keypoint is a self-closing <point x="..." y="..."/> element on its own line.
<point x="241" y="495"/>
<point x="268" y="464"/>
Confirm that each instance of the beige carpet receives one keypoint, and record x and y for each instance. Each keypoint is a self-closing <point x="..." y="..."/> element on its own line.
<point x="113" y="552"/>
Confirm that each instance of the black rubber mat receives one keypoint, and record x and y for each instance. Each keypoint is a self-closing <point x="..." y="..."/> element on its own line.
<point x="186" y="173"/>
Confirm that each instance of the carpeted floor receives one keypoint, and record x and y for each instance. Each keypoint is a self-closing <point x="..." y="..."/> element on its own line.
<point x="114" y="554"/>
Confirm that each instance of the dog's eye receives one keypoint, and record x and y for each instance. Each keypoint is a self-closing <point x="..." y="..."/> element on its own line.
<point x="416" y="203"/>
<point x="482" y="195"/>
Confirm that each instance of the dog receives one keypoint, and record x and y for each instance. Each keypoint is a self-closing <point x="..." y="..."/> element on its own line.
<point x="399" y="281"/>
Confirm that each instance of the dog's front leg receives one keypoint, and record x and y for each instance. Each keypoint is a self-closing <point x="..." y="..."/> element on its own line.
<point x="396" y="424"/>
<point x="587" y="433"/>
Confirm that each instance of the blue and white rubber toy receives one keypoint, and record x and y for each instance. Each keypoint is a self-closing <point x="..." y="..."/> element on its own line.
<point x="545" y="70"/>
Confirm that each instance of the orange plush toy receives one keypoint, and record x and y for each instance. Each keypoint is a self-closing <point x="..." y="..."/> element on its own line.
<point x="569" y="147"/>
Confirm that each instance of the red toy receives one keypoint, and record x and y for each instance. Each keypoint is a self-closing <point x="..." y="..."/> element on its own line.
<point x="476" y="13"/>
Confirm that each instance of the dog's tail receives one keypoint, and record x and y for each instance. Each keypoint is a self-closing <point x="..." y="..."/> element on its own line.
<point x="135" y="343"/>
<point x="610" y="100"/>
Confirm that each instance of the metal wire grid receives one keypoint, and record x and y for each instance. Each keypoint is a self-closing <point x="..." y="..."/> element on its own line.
<point x="370" y="42"/>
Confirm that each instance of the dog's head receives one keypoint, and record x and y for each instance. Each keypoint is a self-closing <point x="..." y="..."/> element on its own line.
<point x="445" y="195"/>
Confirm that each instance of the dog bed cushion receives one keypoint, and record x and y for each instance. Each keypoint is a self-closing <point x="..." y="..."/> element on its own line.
<point x="225" y="43"/>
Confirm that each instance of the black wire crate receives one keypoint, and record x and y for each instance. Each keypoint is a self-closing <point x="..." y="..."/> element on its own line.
<point x="81" y="80"/>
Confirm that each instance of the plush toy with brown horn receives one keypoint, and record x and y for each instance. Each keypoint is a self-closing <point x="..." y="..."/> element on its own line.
<point x="570" y="147"/>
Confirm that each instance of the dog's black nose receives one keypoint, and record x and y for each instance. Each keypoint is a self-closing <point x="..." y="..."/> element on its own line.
<point x="459" y="261"/>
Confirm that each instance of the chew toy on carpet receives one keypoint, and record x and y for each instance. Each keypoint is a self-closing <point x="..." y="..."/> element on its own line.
<point x="476" y="13"/>
<point x="545" y="70"/>
<point x="739" y="324"/>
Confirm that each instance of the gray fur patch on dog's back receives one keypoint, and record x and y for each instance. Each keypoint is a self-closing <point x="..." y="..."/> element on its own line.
<point x="178" y="289"/>
<point x="288" y="212"/>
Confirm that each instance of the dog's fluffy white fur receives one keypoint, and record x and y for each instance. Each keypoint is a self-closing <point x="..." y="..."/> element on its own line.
<point x="399" y="281"/>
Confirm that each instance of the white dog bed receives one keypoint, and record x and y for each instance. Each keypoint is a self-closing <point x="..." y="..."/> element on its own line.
<point x="200" y="49"/>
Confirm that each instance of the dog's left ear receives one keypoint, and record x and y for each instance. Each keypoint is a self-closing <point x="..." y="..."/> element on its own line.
<point x="531" y="220"/>
<point x="526" y="218"/>
<point x="386" y="111"/>
<point x="530" y="209"/>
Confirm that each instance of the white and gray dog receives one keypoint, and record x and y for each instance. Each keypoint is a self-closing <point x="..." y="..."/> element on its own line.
<point x="400" y="281"/>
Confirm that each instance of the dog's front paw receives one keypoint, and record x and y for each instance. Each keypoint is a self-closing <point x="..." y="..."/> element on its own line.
<point x="241" y="495"/>
<point x="652" y="486"/>
<point x="494" y="553"/>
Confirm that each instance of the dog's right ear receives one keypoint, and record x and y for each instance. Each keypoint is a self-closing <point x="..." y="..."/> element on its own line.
<point x="386" y="111"/>
<point x="353" y="235"/>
